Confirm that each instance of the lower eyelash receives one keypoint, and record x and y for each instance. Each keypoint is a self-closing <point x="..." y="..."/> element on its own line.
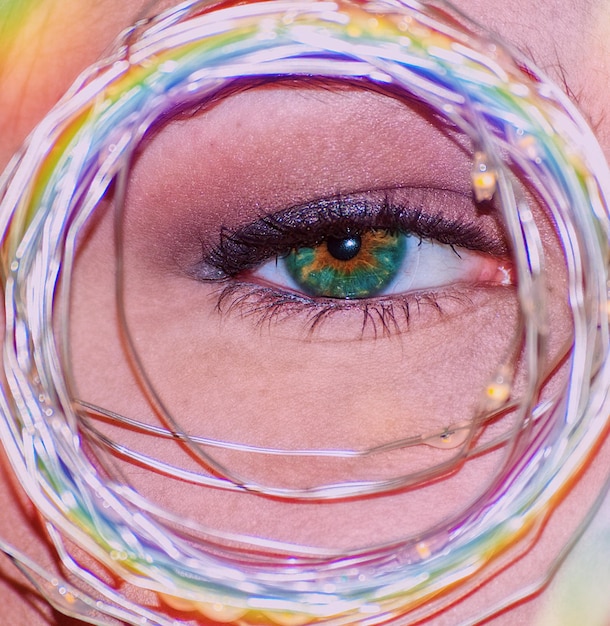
<point x="380" y="316"/>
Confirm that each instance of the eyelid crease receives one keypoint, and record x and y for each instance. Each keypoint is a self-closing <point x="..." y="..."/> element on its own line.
<point x="405" y="210"/>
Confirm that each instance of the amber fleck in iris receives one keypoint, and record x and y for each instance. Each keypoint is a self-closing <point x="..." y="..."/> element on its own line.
<point x="359" y="265"/>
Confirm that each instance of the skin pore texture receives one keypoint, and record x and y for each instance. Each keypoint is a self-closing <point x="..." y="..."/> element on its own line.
<point x="274" y="148"/>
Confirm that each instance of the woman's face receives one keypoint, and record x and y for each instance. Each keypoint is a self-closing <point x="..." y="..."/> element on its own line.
<point x="245" y="361"/>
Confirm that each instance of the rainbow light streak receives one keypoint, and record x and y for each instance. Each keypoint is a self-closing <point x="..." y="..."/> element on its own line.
<point x="180" y="59"/>
<point x="13" y="14"/>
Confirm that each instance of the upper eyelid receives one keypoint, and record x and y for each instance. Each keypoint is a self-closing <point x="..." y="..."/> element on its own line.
<point x="447" y="216"/>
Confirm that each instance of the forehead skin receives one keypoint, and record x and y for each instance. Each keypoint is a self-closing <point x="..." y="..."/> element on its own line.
<point x="38" y="61"/>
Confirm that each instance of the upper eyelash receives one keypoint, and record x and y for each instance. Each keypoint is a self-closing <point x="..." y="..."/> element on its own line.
<point x="308" y="225"/>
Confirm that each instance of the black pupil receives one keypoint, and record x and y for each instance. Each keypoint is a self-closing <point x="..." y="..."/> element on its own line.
<point x="345" y="248"/>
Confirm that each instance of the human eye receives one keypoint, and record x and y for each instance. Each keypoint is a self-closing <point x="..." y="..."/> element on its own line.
<point x="388" y="247"/>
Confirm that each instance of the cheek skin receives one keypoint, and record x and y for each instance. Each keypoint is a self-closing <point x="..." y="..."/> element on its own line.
<point x="234" y="383"/>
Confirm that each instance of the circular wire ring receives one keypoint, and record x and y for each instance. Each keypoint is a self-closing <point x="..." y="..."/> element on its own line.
<point x="520" y="124"/>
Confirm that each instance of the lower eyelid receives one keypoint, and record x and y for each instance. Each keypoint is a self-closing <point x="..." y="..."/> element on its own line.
<point x="299" y="316"/>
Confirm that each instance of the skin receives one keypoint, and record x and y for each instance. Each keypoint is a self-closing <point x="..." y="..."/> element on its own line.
<point x="317" y="143"/>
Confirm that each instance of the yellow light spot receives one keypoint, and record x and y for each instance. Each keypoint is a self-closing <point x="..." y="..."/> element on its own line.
<point x="288" y="619"/>
<point x="423" y="549"/>
<point x="220" y="612"/>
<point x="484" y="186"/>
<point x="353" y="30"/>
<point x="453" y="436"/>
<point x="498" y="392"/>
<point x="180" y="604"/>
<point x="484" y="178"/>
<point x="69" y="598"/>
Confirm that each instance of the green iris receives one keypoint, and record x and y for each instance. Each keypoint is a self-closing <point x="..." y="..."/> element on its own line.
<point x="354" y="266"/>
